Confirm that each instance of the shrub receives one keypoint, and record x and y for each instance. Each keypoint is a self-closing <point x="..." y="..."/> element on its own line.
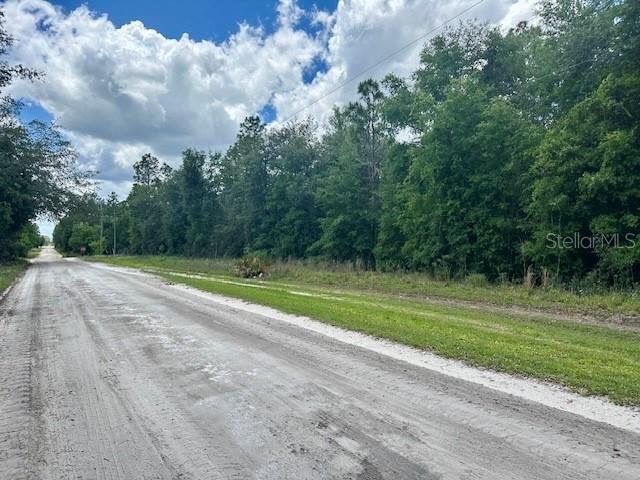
<point x="252" y="265"/>
<point x="82" y="235"/>
<point x="476" y="280"/>
<point x="529" y="280"/>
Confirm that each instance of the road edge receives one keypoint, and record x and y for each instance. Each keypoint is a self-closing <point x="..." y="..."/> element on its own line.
<point x="552" y="395"/>
<point x="7" y="291"/>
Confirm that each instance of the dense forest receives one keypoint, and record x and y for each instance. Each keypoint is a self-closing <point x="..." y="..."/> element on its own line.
<point x="510" y="154"/>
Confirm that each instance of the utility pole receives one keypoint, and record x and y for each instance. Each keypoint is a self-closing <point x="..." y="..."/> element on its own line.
<point x="114" y="228"/>
<point x="101" y="227"/>
<point x="113" y="198"/>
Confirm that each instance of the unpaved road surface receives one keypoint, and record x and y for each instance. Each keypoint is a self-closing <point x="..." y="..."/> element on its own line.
<point x="108" y="374"/>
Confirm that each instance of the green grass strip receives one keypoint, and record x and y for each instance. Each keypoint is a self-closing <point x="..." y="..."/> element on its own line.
<point x="418" y="285"/>
<point x="591" y="360"/>
<point x="9" y="272"/>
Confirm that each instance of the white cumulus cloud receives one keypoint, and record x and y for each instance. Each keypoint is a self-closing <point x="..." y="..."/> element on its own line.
<point x="121" y="91"/>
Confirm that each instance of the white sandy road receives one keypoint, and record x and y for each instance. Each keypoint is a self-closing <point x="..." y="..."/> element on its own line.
<point x="548" y="394"/>
<point x="105" y="374"/>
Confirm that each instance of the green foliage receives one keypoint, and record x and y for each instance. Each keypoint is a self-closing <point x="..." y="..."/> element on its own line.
<point x="9" y="272"/>
<point x="36" y="174"/>
<point x="291" y="222"/>
<point x="147" y="170"/>
<point x="589" y="359"/>
<point x="29" y="238"/>
<point x="581" y="298"/>
<point x="464" y="191"/>
<point x="200" y="205"/>
<point x="391" y="238"/>
<point x="86" y="210"/>
<point x="82" y="237"/>
<point x="586" y="181"/>
<point x="349" y="192"/>
<point x="37" y="166"/>
<point x="476" y="280"/>
<point x="244" y="175"/>
<point x="498" y="140"/>
<point x="252" y="265"/>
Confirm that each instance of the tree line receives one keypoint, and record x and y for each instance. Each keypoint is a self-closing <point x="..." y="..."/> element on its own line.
<point x="499" y="156"/>
<point x="38" y="172"/>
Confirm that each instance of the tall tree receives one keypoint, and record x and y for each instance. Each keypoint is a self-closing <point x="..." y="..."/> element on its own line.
<point x="498" y="139"/>
<point x="348" y="191"/>
<point x="38" y="174"/>
<point x="199" y="203"/>
<point x="244" y="179"/>
<point x="146" y="170"/>
<point x="587" y="182"/>
<point x="291" y="223"/>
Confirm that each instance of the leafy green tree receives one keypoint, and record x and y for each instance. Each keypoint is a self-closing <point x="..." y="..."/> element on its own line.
<point x="82" y="237"/>
<point x="392" y="238"/>
<point x="343" y="194"/>
<point x="174" y="218"/>
<point x="37" y="165"/>
<point x="349" y="191"/>
<point x="244" y="179"/>
<point x="117" y="214"/>
<point x="291" y="223"/>
<point x="580" y="46"/>
<point x="29" y="238"/>
<point x="587" y="178"/>
<point x="87" y="209"/>
<point x="146" y="170"/>
<point x="497" y="139"/>
<point x="464" y="191"/>
<point x="505" y="142"/>
<point x="438" y="225"/>
<point x="200" y="204"/>
<point x="144" y="208"/>
<point x="451" y="55"/>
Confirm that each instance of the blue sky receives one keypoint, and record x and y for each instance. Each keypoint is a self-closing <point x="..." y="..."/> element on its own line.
<point x="214" y="20"/>
<point x="201" y="19"/>
<point x="131" y="84"/>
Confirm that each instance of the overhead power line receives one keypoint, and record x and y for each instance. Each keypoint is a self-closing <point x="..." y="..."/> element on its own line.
<point x="383" y="60"/>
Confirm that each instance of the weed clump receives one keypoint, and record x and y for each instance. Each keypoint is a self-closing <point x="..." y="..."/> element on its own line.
<point x="476" y="280"/>
<point x="252" y="265"/>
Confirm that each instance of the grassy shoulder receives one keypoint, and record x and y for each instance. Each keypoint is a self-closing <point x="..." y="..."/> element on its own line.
<point x="9" y="272"/>
<point x="589" y="359"/>
<point x="409" y="284"/>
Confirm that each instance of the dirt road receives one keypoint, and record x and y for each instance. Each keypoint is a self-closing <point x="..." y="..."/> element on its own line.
<point x="109" y="374"/>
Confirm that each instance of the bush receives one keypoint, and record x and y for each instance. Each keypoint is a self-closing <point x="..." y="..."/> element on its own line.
<point x="29" y="238"/>
<point x="252" y="265"/>
<point x="476" y="280"/>
<point x="82" y="236"/>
